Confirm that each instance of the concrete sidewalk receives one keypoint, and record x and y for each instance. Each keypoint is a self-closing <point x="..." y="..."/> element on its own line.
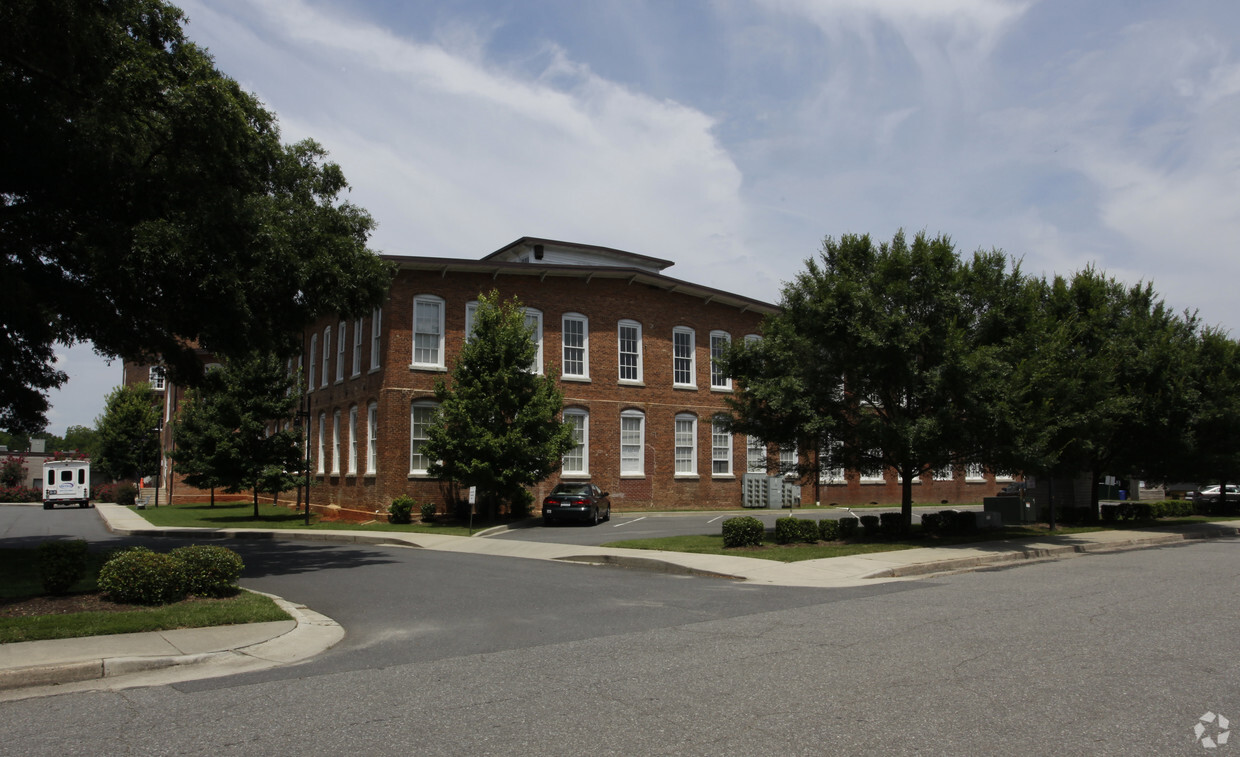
<point x="39" y="668"/>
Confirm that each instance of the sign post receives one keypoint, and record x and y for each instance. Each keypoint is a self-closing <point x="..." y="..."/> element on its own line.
<point x="473" y="499"/>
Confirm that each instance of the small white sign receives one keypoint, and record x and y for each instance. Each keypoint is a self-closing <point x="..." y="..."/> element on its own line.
<point x="473" y="495"/>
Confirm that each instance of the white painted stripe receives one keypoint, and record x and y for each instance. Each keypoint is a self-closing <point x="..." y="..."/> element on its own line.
<point x="627" y="522"/>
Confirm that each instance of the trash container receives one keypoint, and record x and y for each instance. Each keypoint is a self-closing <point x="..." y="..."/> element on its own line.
<point x="1123" y="495"/>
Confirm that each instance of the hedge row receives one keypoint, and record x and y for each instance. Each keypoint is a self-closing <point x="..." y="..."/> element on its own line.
<point x="140" y="576"/>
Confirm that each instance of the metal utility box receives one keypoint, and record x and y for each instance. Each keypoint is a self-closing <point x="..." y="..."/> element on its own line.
<point x="753" y="490"/>
<point x="1011" y="511"/>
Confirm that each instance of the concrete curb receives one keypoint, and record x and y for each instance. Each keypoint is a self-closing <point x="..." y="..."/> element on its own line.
<point x="312" y="634"/>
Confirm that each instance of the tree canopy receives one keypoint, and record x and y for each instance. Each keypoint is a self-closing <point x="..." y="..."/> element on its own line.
<point x="497" y="426"/>
<point x="148" y="206"/>
<point x="234" y="431"/>
<point x="128" y="441"/>
<point x="883" y="355"/>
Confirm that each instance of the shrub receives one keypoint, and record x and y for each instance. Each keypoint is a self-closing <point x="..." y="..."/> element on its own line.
<point x="891" y="524"/>
<point x="786" y="530"/>
<point x="20" y="494"/>
<point x="522" y="503"/>
<point x="61" y="564"/>
<point x="210" y="571"/>
<point x="401" y="510"/>
<point x="932" y="523"/>
<point x="428" y="511"/>
<point x="140" y="576"/>
<point x="743" y="531"/>
<point x="966" y="521"/>
<point x="807" y="530"/>
<point x="1110" y="513"/>
<point x="125" y="494"/>
<point x="828" y="529"/>
<point x="848" y="527"/>
<point x="870" y="524"/>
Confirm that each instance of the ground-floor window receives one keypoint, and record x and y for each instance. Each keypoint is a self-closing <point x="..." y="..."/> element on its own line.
<point x="420" y="416"/>
<point x="577" y="460"/>
<point x="632" y="443"/>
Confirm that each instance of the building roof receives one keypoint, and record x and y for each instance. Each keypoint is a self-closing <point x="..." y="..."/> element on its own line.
<point x="512" y="250"/>
<point x="632" y="274"/>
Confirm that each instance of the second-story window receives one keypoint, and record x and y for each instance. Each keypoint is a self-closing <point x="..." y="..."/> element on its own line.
<point x="682" y="357"/>
<point x="327" y="354"/>
<point x="342" y="343"/>
<point x="718" y="343"/>
<point x="428" y="331"/>
<point x="376" y="328"/>
<point x="358" y="330"/>
<point x="630" y="339"/>
<point x="576" y="335"/>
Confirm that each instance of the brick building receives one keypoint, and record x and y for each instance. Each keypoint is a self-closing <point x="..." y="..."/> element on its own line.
<point x="630" y="348"/>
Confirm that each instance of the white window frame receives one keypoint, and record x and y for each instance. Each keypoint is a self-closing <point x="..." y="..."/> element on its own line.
<point x="321" y="468"/>
<point x="327" y="356"/>
<point x="156" y="378"/>
<point x="372" y="438"/>
<point x="720" y="449"/>
<point x="755" y="455"/>
<point x="632" y="454"/>
<point x="336" y="443"/>
<point x="580" y="418"/>
<point x="535" y="315"/>
<point x="471" y="312"/>
<point x="358" y="330"/>
<point x="415" y="441"/>
<point x="873" y="476"/>
<point x="376" y="329"/>
<point x="789" y="455"/>
<point x="684" y="446"/>
<point x="314" y="349"/>
<point x="437" y="362"/>
<point x="352" y="465"/>
<point x="831" y="475"/>
<point x="584" y="347"/>
<point x="946" y="473"/>
<point x="974" y="472"/>
<point x="342" y="345"/>
<point x="684" y="364"/>
<point x="620" y="352"/>
<point x="718" y="343"/>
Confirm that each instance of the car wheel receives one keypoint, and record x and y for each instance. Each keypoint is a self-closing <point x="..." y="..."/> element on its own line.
<point x="594" y="519"/>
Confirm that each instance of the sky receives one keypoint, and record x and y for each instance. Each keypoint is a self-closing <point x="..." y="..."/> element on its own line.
<point x="732" y="136"/>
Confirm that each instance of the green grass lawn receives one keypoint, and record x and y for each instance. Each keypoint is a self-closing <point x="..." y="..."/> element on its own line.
<point x="241" y="515"/>
<point x="712" y="544"/>
<point x="19" y="580"/>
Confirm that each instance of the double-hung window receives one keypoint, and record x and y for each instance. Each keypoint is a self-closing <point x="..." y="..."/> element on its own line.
<point x="327" y="354"/>
<point x="322" y="464"/>
<point x="575" y="330"/>
<point x="682" y="357"/>
<point x="534" y="322"/>
<point x="376" y="327"/>
<point x="471" y="311"/>
<point x="155" y="376"/>
<point x="576" y="461"/>
<point x="336" y="443"/>
<point x="421" y="415"/>
<point x="352" y="469"/>
<point x="718" y="343"/>
<point x="630" y="340"/>
<point x="358" y="330"/>
<point x="686" y="445"/>
<point x="632" y="443"/>
<point x="372" y="437"/>
<point x="720" y="448"/>
<point x="755" y="455"/>
<point x="428" y="332"/>
<point x="341" y="345"/>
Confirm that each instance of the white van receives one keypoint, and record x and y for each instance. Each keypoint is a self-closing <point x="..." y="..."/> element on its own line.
<point x="66" y="482"/>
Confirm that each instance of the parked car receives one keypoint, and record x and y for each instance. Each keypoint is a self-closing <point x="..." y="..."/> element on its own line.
<point x="576" y="501"/>
<point x="1211" y="494"/>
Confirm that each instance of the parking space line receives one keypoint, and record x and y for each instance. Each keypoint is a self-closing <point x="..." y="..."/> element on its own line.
<point x="627" y="522"/>
<point x="712" y="520"/>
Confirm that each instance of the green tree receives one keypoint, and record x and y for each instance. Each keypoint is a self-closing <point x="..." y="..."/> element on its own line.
<point x="129" y="433"/>
<point x="12" y="470"/>
<point x="883" y="356"/>
<point x="1215" y="427"/>
<point x="149" y="206"/>
<point x="1097" y="384"/>
<point x="81" y="439"/>
<point x="231" y="434"/>
<point x="497" y="426"/>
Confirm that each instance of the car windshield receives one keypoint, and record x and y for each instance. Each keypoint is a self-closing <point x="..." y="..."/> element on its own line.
<point x="582" y="489"/>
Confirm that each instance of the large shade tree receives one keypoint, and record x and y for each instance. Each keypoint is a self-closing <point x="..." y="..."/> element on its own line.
<point x="128" y="433"/>
<point x="883" y="356"/>
<point x="148" y="206"/>
<point x="498" y="424"/>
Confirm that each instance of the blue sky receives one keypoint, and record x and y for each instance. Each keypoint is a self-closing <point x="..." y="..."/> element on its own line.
<point x="732" y="136"/>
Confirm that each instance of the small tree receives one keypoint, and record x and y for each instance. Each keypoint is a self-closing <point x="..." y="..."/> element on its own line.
<point x="227" y="430"/>
<point x="12" y="470"/>
<point x="129" y="432"/>
<point x="497" y="426"/>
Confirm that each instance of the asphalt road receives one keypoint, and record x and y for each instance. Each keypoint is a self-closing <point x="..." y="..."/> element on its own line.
<point x="455" y="654"/>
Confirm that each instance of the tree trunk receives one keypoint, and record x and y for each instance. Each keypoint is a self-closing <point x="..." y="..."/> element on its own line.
<point x="906" y="500"/>
<point x="256" y="500"/>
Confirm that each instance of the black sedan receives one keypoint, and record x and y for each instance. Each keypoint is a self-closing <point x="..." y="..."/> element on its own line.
<point x="581" y="502"/>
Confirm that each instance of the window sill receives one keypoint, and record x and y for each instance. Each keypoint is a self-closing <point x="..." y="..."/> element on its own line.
<point x="722" y="389"/>
<point x="628" y="382"/>
<point x="583" y="474"/>
<point x="373" y="369"/>
<point x="685" y="387"/>
<point x="423" y="475"/>
<point x="722" y="477"/>
<point x="576" y="379"/>
<point x="686" y="477"/>
<point x="428" y="368"/>
<point x="632" y="475"/>
<point x="872" y="481"/>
